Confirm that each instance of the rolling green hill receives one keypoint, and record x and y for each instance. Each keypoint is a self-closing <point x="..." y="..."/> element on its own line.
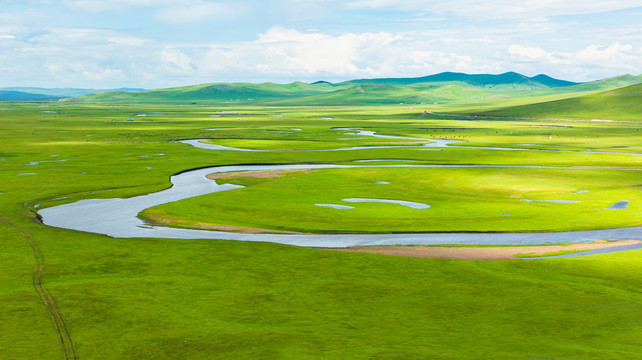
<point x="212" y="93"/>
<point x="625" y="103"/>
<point x="440" y="88"/>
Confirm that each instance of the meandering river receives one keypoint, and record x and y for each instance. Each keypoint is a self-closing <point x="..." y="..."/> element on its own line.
<point x="118" y="217"/>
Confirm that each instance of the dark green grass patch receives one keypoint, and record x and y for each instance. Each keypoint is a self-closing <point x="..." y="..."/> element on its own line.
<point x="214" y="299"/>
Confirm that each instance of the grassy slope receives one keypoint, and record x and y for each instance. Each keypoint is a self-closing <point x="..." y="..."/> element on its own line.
<point x="621" y="103"/>
<point x="605" y="84"/>
<point x="190" y="299"/>
<point x="387" y="94"/>
<point x="592" y="86"/>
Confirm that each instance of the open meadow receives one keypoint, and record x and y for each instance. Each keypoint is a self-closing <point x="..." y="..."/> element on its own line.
<point x="494" y="166"/>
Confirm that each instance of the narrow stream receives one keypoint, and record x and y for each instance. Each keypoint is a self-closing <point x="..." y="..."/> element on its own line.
<point x="433" y="143"/>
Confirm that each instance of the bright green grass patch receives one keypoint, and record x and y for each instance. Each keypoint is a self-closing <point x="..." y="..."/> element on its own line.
<point x="320" y="144"/>
<point x="468" y="199"/>
<point x="276" y="145"/>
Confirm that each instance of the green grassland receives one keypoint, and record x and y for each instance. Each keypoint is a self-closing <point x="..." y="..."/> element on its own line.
<point x="472" y="199"/>
<point x="205" y="299"/>
<point x="621" y="103"/>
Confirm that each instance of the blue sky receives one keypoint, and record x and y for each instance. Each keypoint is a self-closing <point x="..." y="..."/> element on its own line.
<point x="163" y="43"/>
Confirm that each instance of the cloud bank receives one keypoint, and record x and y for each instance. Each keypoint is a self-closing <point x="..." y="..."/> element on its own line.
<point x="157" y="43"/>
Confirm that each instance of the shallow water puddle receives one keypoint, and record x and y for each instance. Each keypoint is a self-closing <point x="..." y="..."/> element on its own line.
<point x="146" y="156"/>
<point x="335" y="206"/>
<point x="620" y="205"/>
<point x="410" y="204"/>
<point x="32" y="163"/>
<point x="551" y="201"/>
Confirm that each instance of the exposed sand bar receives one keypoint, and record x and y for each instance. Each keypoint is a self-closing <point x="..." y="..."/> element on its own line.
<point x="485" y="253"/>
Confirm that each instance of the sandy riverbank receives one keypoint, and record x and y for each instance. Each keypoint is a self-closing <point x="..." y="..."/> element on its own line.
<point x="483" y="253"/>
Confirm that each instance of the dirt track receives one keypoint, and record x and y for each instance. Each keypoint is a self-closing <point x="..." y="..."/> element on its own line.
<point x="46" y="298"/>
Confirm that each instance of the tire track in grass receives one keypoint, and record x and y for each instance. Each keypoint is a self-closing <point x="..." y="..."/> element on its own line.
<point x="45" y="296"/>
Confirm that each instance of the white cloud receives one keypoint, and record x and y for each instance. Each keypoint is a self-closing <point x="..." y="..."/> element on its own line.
<point x="615" y="55"/>
<point x="72" y="57"/>
<point x="290" y="54"/>
<point x="88" y="71"/>
<point x="537" y="54"/>
<point x="104" y="75"/>
<point x="175" y="59"/>
<point x="591" y="62"/>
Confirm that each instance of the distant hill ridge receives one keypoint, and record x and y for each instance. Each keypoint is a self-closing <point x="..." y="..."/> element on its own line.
<point x="446" y="87"/>
<point x="478" y="80"/>
<point x="10" y="95"/>
<point x="61" y="92"/>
